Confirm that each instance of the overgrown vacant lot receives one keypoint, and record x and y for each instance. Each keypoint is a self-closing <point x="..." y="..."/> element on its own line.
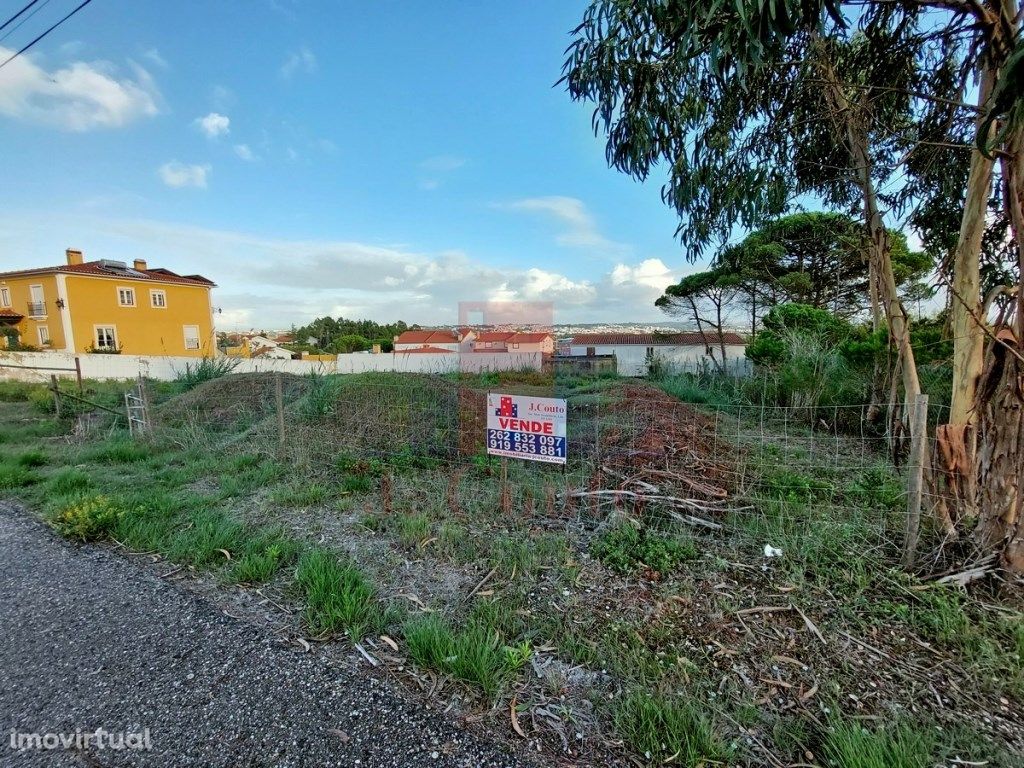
<point x="633" y="608"/>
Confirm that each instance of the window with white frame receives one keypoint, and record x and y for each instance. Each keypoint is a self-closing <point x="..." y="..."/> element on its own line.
<point x="5" y="297"/>
<point x="126" y="297"/>
<point x="191" y="336"/>
<point x="158" y="299"/>
<point x="44" y="335"/>
<point x="106" y="337"/>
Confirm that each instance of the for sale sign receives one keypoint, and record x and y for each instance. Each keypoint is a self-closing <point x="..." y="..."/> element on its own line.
<point x="526" y="427"/>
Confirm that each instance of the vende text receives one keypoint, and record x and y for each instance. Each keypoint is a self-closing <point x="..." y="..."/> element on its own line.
<point x="523" y="425"/>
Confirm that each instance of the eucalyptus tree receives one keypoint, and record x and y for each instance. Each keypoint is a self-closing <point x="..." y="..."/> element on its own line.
<point x="754" y="103"/>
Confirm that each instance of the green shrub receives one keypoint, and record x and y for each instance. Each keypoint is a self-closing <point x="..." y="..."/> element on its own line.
<point x="42" y="400"/>
<point x="206" y="369"/>
<point x="876" y="488"/>
<point x="794" y="488"/>
<point x="358" y="483"/>
<point x="319" y="399"/>
<point x="625" y="548"/>
<point x="88" y="518"/>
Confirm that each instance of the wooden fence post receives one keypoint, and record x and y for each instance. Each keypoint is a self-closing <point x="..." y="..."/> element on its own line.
<point x="56" y="394"/>
<point x="915" y="480"/>
<point x="279" y="405"/>
<point x="78" y="375"/>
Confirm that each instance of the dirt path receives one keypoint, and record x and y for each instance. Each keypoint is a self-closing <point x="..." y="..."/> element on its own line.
<point x="89" y="641"/>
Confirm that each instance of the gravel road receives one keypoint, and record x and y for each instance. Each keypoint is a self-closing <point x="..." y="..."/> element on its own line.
<point x="88" y="640"/>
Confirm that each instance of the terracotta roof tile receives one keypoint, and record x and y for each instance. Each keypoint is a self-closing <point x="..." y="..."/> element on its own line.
<point x="495" y="336"/>
<point x="529" y="338"/>
<point x="93" y="268"/>
<point x="428" y="336"/>
<point x="424" y="350"/>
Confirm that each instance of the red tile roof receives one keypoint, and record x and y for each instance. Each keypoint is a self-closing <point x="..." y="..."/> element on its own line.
<point x="428" y="336"/>
<point x="422" y="350"/>
<point x="529" y="338"/>
<point x="494" y="336"/>
<point x="93" y="268"/>
<point x="690" y="338"/>
<point x="11" y="314"/>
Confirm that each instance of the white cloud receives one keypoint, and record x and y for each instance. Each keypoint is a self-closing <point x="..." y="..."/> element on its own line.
<point x="222" y="98"/>
<point x="213" y="124"/>
<point x="580" y="230"/>
<point x="275" y="282"/>
<point x="302" y="61"/>
<point x="244" y="152"/>
<point x="175" y="174"/>
<point x="652" y="273"/>
<point x="437" y="167"/>
<point x="442" y="163"/>
<point x="79" y="97"/>
<point x="154" y="56"/>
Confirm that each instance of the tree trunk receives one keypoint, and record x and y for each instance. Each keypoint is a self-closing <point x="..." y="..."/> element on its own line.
<point x="965" y="314"/>
<point x="1000" y="399"/>
<point x="881" y="255"/>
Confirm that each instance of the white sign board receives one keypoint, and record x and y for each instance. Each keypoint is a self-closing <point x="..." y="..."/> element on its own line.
<point x="526" y="427"/>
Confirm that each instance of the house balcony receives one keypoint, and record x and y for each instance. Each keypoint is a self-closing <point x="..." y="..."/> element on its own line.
<point x="37" y="309"/>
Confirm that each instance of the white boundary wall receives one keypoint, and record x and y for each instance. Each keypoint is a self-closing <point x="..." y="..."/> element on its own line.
<point x="632" y="358"/>
<point x="33" y="366"/>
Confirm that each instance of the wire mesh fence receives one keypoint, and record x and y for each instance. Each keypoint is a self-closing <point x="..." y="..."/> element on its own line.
<point x="407" y="443"/>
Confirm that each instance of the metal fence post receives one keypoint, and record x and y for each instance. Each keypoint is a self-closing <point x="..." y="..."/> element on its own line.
<point x="915" y="479"/>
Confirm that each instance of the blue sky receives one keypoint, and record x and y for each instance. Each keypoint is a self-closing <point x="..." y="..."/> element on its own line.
<point x="382" y="160"/>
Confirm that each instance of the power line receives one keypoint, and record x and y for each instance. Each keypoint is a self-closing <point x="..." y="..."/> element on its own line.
<point x="18" y="14"/>
<point x="18" y="26"/>
<point x="44" y="34"/>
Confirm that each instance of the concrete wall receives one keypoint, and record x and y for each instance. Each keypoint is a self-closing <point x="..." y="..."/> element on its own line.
<point x="38" y="366"/>
<point x="633" y="357"/>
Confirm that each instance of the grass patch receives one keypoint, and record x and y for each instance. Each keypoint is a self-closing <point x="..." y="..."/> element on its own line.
<point x="31" y="458"/>
<point x="263" y="555"/>
<point x="208" y="535"/>
<point x="851" y="745"/>
<point x="413" y="529"/>
<point x="473" y="654"/>
<point x="67" y="481"/>
<point x="14" y="476"/>
<point x="338" y="596"/>
<point x="117" y="451"/>
<point x="298" y="494"/>
<point x="625" y="548"/>
<point x="658" y="728"/>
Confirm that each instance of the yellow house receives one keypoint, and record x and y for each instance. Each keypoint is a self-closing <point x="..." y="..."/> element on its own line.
<point x="107" y="306"/>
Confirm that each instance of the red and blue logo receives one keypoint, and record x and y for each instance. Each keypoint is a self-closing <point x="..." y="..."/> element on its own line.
<point x="507" y="408"/>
